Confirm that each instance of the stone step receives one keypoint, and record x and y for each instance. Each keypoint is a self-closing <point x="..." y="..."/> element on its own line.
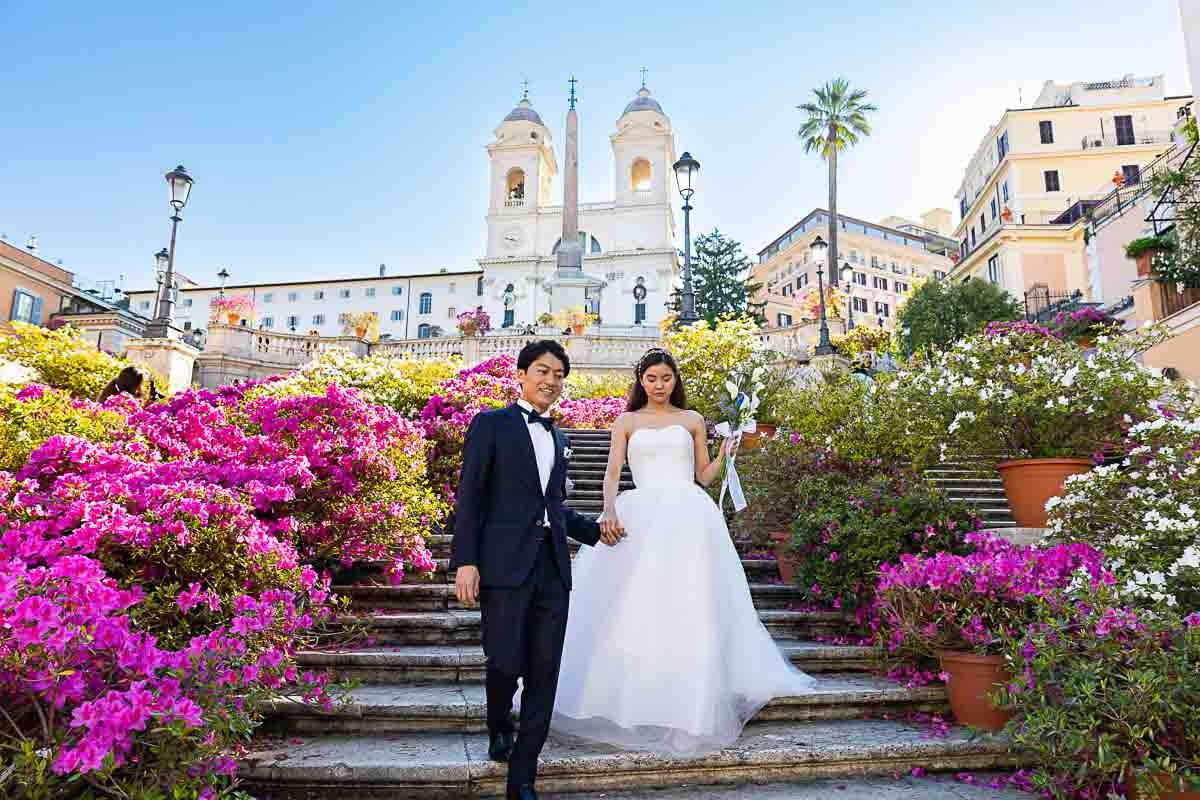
<point x="431" y="765"/>
<point x="892" y="787"/>
<point x="465" y="663"/>
<point x="757" y="570"/>
<point x="428" y="596"/>
<point x="591" y="482"/>
<point x="462" y="627"/>
<point x="461" y="707"/>
<point x="954" y="482"/>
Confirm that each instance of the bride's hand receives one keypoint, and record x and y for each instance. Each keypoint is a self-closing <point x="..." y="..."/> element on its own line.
<point x="729" y="447"/>
<point x="611" y="530"/>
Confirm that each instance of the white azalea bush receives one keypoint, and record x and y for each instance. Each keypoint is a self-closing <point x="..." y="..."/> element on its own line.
<point x="1016" y="391"/>
<point x="1143" y="512"/>
<point x="401" y="383"/>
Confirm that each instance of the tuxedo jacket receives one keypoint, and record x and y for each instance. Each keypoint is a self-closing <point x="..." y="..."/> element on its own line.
<point x="497" y="521"/>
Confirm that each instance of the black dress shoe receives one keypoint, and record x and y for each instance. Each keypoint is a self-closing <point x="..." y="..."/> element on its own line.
<point x="500" y="746"/>
<point x="527" y="792"/>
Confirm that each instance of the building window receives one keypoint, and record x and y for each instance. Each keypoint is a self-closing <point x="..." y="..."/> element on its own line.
<point x="879" y="283"/>
<point x="370" y="291"/>
<point x="881" y="310"/>
<point x="144" y="306"/>
<point x="860" y="278"/>
<point x="319" y="294"/>
<point x="268" y="322"/>
<point x="187" y="302"/>
<point x="453" y="286"/>
<point x="783" y="320"/>
<point x="479" y="286"/>
<point x="1124" y="126"/>
<point x="1132" y="174"/>
<point x="187" y="326"/>
<point x="268" y="297"/>
<point x="1002" y="146"/>
<point x="344" y="294"/>
<point x="1004" y="192"/>
<point x="27" y="307"/>
<point x="802" y="281"/>
<point x="423" y="331"/>
<point x="451" y="313"/>
<point x="994" y="211"/>
<point x="293" y="322"/>
<point x="1052" y="184"/>
<point x="318" y="319"/>
<point x="982" y="224"/>
<point x="901" y="288"/>
<point x="972" y="236"/>
<point x="937" y="273"/>
<point x="860" y="304"/>
<point x="342" y="318"/>
<point x="875" y="262"/>
<point x="398" y="316"/>
<point x="396" y="290"/>
<point x="293" y="297"/>
<point x="962" y="207"/>
<point x="994" y="269"/>
<point x="853" y="256"/>
<point x="426" y="305"/>
<point x="1047" y="130"/>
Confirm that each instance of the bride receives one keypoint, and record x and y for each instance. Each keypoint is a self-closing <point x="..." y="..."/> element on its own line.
<point x="664" y="650"/>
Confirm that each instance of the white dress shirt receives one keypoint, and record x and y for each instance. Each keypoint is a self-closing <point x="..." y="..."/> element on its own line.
<point x="543" y="449"/>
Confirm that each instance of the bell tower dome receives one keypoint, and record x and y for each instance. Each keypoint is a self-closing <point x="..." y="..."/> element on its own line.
<point x="643" y="152"/>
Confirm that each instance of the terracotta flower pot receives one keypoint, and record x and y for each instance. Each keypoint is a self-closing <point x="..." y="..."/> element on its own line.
<point x="233" y="318"/>
<point x="786" y="561"/>
<point x="1084" y="342"/>
<point x="1161" y="788"/>
<point x="972" y="678"/>
<point x="753" y="441"/>
<point x="578" y="329"/>
<point x="1030" y="482"/>
<point x="361" y="331"/>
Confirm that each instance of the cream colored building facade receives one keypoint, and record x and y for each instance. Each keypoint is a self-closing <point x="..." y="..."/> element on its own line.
<point x="1038" y="169"/>
<point x="879" y="265"/>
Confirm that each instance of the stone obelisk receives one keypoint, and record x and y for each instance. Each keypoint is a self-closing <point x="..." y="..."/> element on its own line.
<point x="570" y="252"/>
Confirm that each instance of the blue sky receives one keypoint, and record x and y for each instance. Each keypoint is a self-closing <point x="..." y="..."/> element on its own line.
<point x="328" y="138"/>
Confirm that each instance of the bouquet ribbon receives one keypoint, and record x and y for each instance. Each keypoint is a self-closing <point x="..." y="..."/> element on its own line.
<point x="732" y="483"/>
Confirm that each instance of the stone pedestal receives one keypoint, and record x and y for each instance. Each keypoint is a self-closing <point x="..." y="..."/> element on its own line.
<point x="171" y="359"/>
<point x="830" y="363"/>
<point x="1021" y="536"/>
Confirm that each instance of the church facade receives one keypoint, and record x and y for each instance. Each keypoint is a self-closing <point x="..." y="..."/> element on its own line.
<point x="630" y="260"/>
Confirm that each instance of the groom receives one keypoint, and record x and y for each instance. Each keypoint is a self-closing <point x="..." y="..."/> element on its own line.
<point x="510" y="550"/>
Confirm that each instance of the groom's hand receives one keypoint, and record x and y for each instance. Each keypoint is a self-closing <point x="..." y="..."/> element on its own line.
<point x="466" y="585"/>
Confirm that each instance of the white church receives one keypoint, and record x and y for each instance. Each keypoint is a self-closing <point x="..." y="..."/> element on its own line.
<point x="630" y="260"/>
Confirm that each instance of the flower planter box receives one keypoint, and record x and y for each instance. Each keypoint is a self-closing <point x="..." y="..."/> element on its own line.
<point x="1030" y="482"/>
<point x="972" y="678"/>
<point x="753" y="441"/>
<point x="786" y="561"/>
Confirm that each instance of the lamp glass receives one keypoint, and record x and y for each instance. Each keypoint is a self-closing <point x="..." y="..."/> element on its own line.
<point x="687" y="173"/>
<point x="819" y="248"/>
<point x="179" y="183"/>
<point x="160" y="262"/>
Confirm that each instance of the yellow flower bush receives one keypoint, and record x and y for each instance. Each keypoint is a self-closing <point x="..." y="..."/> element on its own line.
<point x="62" y="359"/>
<point x="29" y="415"/>
<point x="591" y="387"/>
<point x="401" y="383"/>
<point x="863" y="339"/>
<point x="707" y="355"/>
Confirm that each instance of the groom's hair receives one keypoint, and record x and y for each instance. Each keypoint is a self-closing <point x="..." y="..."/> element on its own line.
<point x="535" y="350"/>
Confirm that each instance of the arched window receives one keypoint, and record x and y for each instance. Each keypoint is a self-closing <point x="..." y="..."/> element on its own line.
<point x="426" y="306"/>
<point x="640" y="175"/>
<point x="423" y="331"/>
<point x="583" y="242"/>
<point x="514" y="194"/>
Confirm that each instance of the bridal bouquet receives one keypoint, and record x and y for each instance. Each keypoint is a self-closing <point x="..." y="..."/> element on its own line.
<point x="737" y="418"/>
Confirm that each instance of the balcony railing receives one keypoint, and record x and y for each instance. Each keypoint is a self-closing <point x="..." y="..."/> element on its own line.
<point x="1113" y="139"/>
<point x="1175" y="301"/>
<point x="514" y="202"/>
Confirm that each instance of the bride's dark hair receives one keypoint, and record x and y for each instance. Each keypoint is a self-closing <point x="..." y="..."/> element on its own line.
<point x="637" y="395"/>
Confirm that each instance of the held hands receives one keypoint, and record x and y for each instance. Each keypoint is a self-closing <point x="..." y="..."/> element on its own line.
<point x="466" y="586"/>
<point x="611" y="529"/>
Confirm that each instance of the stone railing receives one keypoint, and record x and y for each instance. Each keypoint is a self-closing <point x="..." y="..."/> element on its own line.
<point x="594" y="352"/>
<point x="282" y="349"/>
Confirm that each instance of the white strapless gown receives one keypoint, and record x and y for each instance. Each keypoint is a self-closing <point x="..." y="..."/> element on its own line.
<point x="664" y="650"/>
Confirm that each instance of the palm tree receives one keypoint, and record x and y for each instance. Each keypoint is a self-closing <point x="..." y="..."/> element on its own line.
<point x="835" y="121"/>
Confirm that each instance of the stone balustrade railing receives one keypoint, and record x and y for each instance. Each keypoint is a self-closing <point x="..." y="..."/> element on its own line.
<point x="284" y="349"/>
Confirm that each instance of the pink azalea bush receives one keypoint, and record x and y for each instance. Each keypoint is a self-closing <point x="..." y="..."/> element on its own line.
<point x="593" y="413"/>
<point x="978" y="601"/>
<point x="156" y="583"/>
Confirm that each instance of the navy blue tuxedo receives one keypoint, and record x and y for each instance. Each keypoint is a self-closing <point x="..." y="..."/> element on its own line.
<point x="524" y="571"/>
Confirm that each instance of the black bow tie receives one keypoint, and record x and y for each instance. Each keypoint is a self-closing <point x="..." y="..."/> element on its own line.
<point x="537" y="419"/>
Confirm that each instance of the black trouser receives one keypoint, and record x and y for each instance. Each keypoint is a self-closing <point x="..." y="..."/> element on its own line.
<point x="523" y="630"/>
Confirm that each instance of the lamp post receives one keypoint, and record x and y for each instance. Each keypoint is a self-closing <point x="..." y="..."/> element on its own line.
<point x="818" y="248"/>
<point x="179" y="184"/>
<point x="224" y="276"/>
<point x="160" y="270"/>
<point x="687" y="172"/>
<point x="849" y="295"/>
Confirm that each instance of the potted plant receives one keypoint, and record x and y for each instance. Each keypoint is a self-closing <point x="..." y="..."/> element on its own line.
<point x="361" y="323"/>
<point x="1110" y="690"/>
<point x="960" y="609"/>
<point x="231" y="308"/>
<point x="1084" y="325"/>
<point x="1037" y="407"/>
<point x="474" y="323"/>
<point x="769" y="477"/>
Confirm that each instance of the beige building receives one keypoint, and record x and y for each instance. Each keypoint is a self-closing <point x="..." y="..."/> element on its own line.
<point x="1038" y="171"/>
<point x="879" y="264"/>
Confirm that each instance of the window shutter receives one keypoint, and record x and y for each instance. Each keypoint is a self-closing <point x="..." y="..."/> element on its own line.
<point x="16" y="302"/>
<point x="35" y="316"/>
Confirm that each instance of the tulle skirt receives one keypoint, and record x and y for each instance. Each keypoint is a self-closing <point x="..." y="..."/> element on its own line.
<point x="664" y="649"/>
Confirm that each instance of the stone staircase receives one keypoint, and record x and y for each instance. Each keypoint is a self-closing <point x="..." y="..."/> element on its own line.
<point x="589" y="457"/>
<point x="415" y="726"/>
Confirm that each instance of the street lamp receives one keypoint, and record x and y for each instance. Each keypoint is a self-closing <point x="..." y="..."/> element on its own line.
<point x="818" y="248"/>
<point x="179" y="184"/>
<point x="160" y="270"/>
<point x="687" y="173"/>
<point x="224" y="276"/>
<point x="849" y="295"/>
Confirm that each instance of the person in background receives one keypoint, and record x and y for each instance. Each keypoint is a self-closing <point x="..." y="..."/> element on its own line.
<point x="130" y="380"/>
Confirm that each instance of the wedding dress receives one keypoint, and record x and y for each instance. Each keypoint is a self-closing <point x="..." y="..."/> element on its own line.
<point x="664" y="649"/>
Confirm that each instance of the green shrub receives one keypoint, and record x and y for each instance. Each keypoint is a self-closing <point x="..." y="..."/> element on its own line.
<point x="62" y="359"/>
<point x="32" y="414"/>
